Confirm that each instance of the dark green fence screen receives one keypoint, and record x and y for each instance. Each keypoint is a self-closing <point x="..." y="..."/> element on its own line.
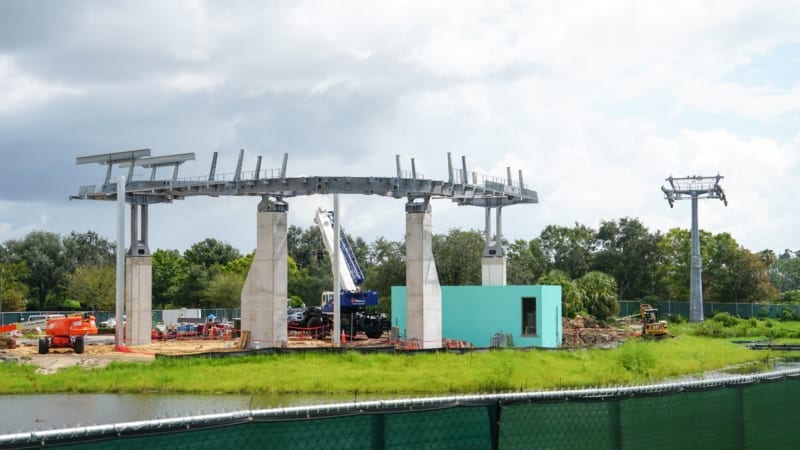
<point x="741" y="412"/>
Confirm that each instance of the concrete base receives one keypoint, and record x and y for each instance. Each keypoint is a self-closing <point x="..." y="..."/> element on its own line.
<point x="265" y="291"/>
<point x="424" y="295"/>
<point x="493" y="271"/>
<point x="138" y="299"/>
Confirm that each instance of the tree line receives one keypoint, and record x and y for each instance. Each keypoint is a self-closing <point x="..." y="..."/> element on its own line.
<point x="620" y="260"/>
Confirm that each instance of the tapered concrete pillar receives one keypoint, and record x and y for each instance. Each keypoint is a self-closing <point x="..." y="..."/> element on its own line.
<point x="423" y="293"/>
<point x="265" y="291"/>
<point x="138" y="299"/>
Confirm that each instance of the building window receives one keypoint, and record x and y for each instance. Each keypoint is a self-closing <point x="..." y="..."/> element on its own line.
<point x="529" y="316"/>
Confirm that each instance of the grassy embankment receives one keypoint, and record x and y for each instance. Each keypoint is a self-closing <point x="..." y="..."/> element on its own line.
<point x="400" y="374"/>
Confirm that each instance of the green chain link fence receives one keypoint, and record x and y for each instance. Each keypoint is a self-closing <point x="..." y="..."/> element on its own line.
<point x="739" y="412"/>
<point x="744" y="310"/>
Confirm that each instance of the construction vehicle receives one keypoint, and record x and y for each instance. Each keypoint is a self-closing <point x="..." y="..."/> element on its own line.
<point x="67" y="332"/>
<point x="353" y="299"/>
<point x="651" y="326"/>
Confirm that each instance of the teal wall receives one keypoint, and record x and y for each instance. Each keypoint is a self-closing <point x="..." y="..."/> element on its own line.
<point x="476" y="313"/>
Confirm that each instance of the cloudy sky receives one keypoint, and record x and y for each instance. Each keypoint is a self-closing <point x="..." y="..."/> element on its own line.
<point x="596" y="102"/>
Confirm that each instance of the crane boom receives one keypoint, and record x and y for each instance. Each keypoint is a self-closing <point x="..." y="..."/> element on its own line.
<point x="353" y="303"/>
<point x="350" y="275"/>
<point x="349" y="279"/>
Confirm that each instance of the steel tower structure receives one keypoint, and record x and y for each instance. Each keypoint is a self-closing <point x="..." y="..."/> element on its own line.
<point x="694" y="187"/>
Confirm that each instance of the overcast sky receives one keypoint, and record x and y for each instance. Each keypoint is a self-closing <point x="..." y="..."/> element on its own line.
<point x="596" y="102"/>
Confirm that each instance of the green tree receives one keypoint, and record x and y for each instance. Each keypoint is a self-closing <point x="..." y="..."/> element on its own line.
<point x="458" y="257"/>
<point x="314" y="274"/>
<point x="785" y="271"/>
<point x="742" y="278"/>
<point x="224" y="290"/>
<point x="211" y="252"/>
<point x="571" y="296"/>
<point x="43" y="253"/>
<point x="298" y="281"/>
<point x="14" y="291"/>
<point x="599" y="292"/>
<point x="93" y="287"/>
<point x="629" y="253"/>
<point x="170" y="273"/>
<point x="525" y="262"/>
<point x="305" y="246"/>
<point x="240" y="265"/>
<point x="387" y="268"/>
<point x="88" y="249"/>
<point x="570" y="250"/>
<point x="192" y="291"/>
<point x="674" y="271"/>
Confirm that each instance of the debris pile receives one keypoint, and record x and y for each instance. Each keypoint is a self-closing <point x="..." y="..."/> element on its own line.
<point x="585" y="331"/>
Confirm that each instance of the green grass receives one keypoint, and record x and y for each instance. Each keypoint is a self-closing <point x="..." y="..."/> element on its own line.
<point x="636" y="361"/>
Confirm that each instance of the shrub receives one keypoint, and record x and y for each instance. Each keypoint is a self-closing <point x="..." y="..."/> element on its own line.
<point x="710" y="328"/>
<point x="786" y="314"/>
<point x="790" y="297"/>
<point x="726" y="319"/>
<point x="677" y="319"/>
<point x="637" y="358"/>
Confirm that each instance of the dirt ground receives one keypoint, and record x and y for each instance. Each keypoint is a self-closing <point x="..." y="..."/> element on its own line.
<point x="101" y="354"/>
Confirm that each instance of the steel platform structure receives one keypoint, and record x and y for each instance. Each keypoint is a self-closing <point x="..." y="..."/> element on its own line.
<point x="471" y="189"/>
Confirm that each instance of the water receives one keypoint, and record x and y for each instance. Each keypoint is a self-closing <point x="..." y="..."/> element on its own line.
<point x="51" y="411"/>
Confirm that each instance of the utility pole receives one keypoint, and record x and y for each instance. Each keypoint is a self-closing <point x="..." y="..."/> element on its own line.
<point x="1" y="295"/>
<point x="694" y="187"/>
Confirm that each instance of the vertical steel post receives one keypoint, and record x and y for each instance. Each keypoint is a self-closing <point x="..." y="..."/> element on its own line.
<point x="120" y="292"/>
<point x="695" y="276"/>
<point x="337" y="289"/>
<point x="498" y="243"/>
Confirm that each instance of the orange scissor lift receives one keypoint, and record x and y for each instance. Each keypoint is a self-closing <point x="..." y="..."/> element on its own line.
<point x="67" y="332"/>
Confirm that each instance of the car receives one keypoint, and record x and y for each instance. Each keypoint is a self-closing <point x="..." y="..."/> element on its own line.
<point x="111" y="322"/>
<point x="294" y="315"/>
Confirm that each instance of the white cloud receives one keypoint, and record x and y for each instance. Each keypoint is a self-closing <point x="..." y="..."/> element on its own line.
<point x="24" y="91"/>
<point x="191" y="82"/>
<point x="588" y="99"/>
<point x="757" y="103"/>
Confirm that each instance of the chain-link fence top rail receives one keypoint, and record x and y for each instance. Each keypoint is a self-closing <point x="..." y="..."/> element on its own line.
<point x="747" y="411"/>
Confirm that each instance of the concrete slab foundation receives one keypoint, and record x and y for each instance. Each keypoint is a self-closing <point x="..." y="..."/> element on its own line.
<point x="424" y="301"/>
<point x="493" y="271"/>
<point x="265" y="291"/>
<point x="138" y="299"/>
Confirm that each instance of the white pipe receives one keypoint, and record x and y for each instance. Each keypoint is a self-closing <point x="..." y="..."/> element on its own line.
<point x="337" y="289"/>
<point x="120" y="294"/>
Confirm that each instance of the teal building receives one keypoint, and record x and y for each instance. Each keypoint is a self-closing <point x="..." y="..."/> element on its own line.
<point x="530" y="314"/>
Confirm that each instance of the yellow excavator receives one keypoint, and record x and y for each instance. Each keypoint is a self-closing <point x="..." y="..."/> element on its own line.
<point x="651" y="326"/>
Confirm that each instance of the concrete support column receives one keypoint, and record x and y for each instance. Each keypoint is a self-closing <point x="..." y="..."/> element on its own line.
<point x="493" y="270"/>
<point x="265" y="291"/>
<point x="138" y="299"/>
<point x="423" y="293"/>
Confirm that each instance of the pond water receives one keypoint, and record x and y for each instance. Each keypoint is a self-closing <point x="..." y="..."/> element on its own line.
<point x="52" y="411"/>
